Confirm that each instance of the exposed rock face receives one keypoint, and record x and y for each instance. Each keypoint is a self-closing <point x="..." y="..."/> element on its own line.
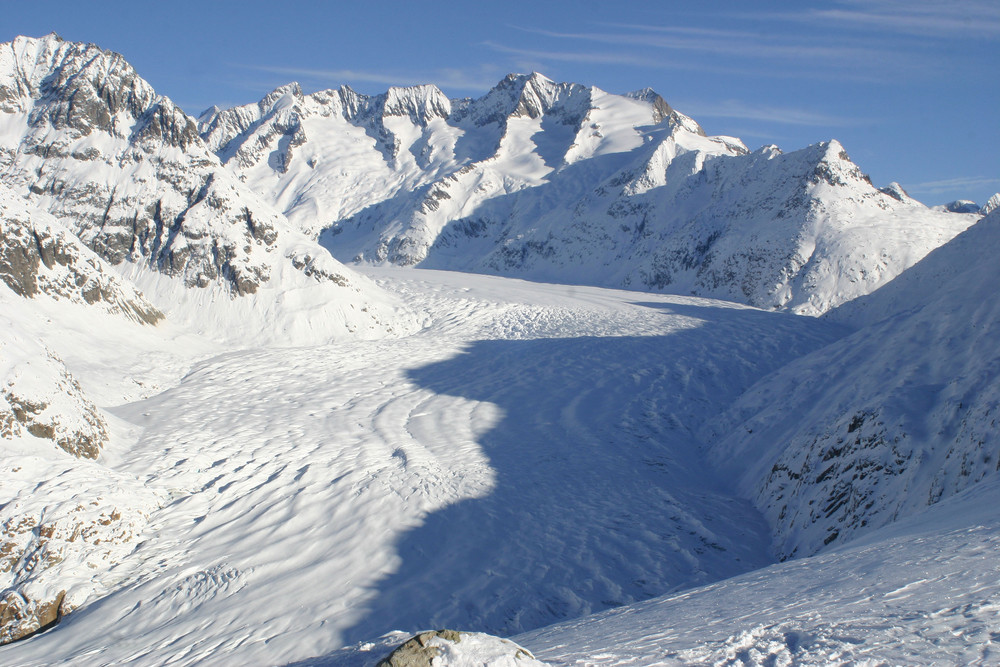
<point x="39" y="256"/>
<point x="20" y="617"/>
<point x="449" y="648"/>
<point x="40" y="399"/>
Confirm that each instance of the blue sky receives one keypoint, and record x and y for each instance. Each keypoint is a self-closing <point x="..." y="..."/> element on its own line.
<point x="908" y="86"/>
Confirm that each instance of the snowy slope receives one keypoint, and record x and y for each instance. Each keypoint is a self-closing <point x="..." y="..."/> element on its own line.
<point x="898" y="416"/>
<point x="924" y="592"/>
<point x="528" y="457"/>
<point x="85" y="138"/>
<point x="567" y="183"/>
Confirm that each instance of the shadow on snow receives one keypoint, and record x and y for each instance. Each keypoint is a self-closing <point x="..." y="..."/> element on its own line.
<point x="601" y="497"/>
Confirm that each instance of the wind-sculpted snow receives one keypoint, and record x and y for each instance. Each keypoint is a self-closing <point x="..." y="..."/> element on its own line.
<point x="528" y="457"/>
<point x="83" y="137"/>
<point x="896" y="417"/>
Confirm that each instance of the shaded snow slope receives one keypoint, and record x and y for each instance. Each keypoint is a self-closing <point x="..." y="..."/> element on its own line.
<point x="527" y="458"/>
<point x="924" y="592"/>
<point x="898" y="416"/>
<point x="83" y="137"/>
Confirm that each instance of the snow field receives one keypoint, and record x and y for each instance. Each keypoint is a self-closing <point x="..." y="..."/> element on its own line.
<point x="526" y="458"/>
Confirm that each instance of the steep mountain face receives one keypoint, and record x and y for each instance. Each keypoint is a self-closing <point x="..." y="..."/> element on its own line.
<point x="38" y="256"/>
<point x="85" y="138"/>
<point x="567" y="183"/>
<point x="896" y="417"/>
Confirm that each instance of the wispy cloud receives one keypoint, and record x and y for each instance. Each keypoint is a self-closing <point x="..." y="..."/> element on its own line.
<point x="961" y="19"/>
<point x="782" y="115"/>
<point x="337" y="75"/>
<point x="538" y="59"/>
<point x="576" y="56"/>
<point x="931" y="18"/>
<point x="952" y="184"/>
<point x="725" y="43"/>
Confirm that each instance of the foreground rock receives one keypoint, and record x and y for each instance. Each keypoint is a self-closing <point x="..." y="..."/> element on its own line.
<point x="450" y="648"/>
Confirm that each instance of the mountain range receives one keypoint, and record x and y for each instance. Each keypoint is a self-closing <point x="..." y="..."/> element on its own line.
<point x="531" y="355"/>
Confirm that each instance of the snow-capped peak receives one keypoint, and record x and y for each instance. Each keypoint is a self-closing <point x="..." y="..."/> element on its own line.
<point x="419" y="103"/>
<point x="991" y="205"/>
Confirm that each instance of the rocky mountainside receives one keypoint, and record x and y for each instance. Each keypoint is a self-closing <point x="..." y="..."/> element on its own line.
<point x="567" y="183"/>
<point x="65" y="519"/>
<point x="896" y="417"/>
<point x="85" y="138"/>
<point x="39" y="256"/>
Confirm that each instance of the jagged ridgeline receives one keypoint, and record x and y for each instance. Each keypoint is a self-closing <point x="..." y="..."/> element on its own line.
<point x="125" y="167"/>
<point x="568" y="183"/>
<point x="125" y="170"/>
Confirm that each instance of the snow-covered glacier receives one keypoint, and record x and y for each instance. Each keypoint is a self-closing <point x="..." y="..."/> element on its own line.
<point x="565" y="394"/>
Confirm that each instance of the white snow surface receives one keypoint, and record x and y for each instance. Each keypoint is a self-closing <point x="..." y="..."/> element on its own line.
<point x="527" y="457"/>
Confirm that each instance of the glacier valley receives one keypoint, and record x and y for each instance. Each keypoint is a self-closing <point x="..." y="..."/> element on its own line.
<point x="290" y="382"/>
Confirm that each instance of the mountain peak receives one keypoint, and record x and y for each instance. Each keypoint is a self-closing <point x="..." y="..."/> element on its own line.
<point x="896" y="191"/>
<point x="292" y="89"/>
<point x="421" y="103"/>
<point x="661" y="109"/>
<point x="992" y="205"/>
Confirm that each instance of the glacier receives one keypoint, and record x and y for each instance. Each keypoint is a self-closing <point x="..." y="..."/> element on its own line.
<point x="290" y="382"/>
